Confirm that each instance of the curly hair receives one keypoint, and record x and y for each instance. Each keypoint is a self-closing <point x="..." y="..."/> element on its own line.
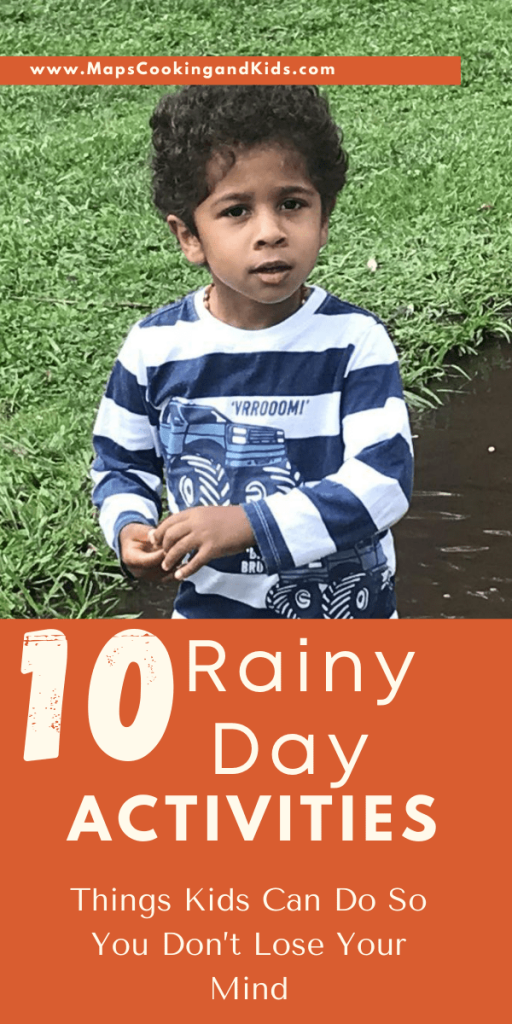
<point x="191" y="125"/>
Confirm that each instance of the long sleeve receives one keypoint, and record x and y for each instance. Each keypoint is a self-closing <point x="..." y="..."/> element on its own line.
<point x="371" y="489"/>
<point x="128" y="468"/>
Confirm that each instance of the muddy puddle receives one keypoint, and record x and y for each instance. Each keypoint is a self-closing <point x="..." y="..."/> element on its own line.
<point x="455" y="546"/>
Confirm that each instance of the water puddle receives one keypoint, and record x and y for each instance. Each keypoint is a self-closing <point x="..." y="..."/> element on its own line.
<point x="455" y="546"/>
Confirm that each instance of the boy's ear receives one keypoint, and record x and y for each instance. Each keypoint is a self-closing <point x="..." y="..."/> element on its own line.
<point x="324" y="228"/>
<point x="189" y="243"/>
<point x="324" y="232"/>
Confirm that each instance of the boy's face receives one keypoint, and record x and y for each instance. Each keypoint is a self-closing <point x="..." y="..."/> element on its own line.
<point x="259" y="230"/>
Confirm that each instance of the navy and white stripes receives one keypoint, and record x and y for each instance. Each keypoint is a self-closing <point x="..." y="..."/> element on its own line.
<point x="303" y="423"/>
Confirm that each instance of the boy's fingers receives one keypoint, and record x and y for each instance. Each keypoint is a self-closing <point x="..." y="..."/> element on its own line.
<point x="195" y="563"/>
<point x="174" y="534"/>
<point x="134" y="533"/>
<point x="176" y="553"/>
<point x="150" y="558"/>
<point x="143" y="559"/>
<point x="157" y="534"/>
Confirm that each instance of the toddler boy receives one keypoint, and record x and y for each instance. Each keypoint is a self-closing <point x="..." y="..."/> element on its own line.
<point x="273" y="409"/>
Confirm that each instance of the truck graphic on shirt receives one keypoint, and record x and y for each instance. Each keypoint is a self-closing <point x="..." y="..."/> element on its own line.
<point x="351" y="584"/>
<point x="210" y="460"/>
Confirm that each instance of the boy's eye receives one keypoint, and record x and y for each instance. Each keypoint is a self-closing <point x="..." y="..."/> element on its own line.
<point x="292" y="204"/>
<point x="234" y="211"/>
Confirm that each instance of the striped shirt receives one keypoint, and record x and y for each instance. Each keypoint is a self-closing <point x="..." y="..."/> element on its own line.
<point x="303" y="424"/>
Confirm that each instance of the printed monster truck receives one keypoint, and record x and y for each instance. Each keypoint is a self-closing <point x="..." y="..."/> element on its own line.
<point x="352" y="584"/>
<point x="212" y="461"/>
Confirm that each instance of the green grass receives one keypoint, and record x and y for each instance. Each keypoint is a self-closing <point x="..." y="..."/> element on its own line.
<point x="83" y="254"/>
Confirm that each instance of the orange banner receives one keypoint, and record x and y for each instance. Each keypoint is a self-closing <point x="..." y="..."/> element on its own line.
<point x="204" y="824"/>
<point x="67" y="70"/>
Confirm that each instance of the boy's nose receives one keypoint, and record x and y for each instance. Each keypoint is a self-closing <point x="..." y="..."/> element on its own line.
<point x="269" y="230"/>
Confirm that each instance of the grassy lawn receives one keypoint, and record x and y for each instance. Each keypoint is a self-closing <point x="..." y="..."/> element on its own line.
<point x="83" y="254"/>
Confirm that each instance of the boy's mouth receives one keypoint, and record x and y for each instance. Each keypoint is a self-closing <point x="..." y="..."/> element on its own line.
<point x="273" y="267"/>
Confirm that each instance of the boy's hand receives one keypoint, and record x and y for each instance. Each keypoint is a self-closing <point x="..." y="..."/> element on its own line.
<point x="208" y="532"/>
<point x="139" y="555"/>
